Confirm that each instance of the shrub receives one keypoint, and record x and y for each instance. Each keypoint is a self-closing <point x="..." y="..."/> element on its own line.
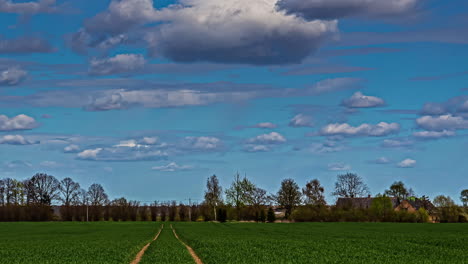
<point x="271" y="217"/>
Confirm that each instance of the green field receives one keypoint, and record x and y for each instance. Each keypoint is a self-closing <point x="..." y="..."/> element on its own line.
<point x="107" y="242"/>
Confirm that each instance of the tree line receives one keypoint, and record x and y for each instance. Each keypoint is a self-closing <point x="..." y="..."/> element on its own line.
<point x="33" y="199"/>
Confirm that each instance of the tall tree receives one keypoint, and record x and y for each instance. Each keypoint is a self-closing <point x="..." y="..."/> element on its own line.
<point x="43" y="189"/>
<point x="213" y="193"/>
<point x="69" y="191"/>
<point x="289" y="195"/>
<point x="240" y="193"/>
<point x="97" y="195"/>
<point x="398" y="189"/>
<point x="259" y="197"/>
<point x="313" y="193"/>
<point x="350" y="185"/>
<point x="2" y="192"/>
<point x="464" y="197"/>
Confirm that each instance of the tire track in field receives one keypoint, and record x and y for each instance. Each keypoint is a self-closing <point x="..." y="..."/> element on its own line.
<point x="190" y="250"/>
<point x="142" y="251"/>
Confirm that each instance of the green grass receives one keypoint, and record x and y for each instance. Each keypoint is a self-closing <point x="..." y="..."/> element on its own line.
<point x="109" y="242"/>
<point x="61" y="242"/>
<point x="167" y="250"/>
<point x="327" y="242"/>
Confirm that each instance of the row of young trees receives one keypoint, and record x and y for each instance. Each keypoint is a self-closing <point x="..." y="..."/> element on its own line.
<point x="245" y="201"/>
<point x="32" y="200"/>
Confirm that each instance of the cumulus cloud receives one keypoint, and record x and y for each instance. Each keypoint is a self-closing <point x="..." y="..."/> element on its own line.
<point x="334" y="85"/>
<point x="433" y="134"/>
<point x="339" y="167"/>
<point x="121" y="16"/>
<point x="270" y="138"/>
<point x="122" y="153"/>
<point x="28" y="8"/>
<point x="236" y="31"/>
<point x="101" y="94"/>
<point x="12" y="76"/>
<point x="19" y="122"/>
<point x="397" y="143"/>
<point x="301" y="120"/>
<point x="119" y="64"/>
<point x="265" y="125"/>
<point x="256" y="148"/>
<point x="16" y="140"/>
<point x="332" y="9"/>
<point x="407" y="163"/>
<point x="171" y="167"/>
<point x="433" y="109"/>
<point x="202" y="143"/>
<point x="359" y="100"/>
<point x="379" y="130"/>
<point x="382" y="160"/>
<point x="442" y="122"/>
<point x="326" y="147"/>
<point x="71" y="149"/>
<point x="24" y="45"/>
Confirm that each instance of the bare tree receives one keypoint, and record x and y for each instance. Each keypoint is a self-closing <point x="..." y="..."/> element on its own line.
<point x="69" y="191"/>
<point x="259" y="197"/>
<point x="43" y="189"/>
<point x="213" y="193"/>
<point x="2" y="192"/>
<point x="289" y="195"/>
<point x="350" y="185"/>
<point x="313" y="193"/>
<point x="97" y="196"/>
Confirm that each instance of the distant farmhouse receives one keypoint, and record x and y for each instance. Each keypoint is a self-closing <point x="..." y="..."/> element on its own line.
<point x="410" y="205"/>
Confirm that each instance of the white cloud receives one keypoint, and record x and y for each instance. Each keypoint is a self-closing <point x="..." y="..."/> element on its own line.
<point x="202" y="143"/>
<point x="359" y="100"/>
<point x="16" y="140"/>
<point x="407" y="163"/>
<point x="301" y="120"/>
<point x="71" y="149"/>
<point x="12" y="76"/>
<point x="433" y="134"/>
<point x="334" y="85"/>
<point x="379" y="130"/>
<point x="50" y="164"/>
<point x="397" y="143"/>
<point x="28" y="8"/>
<point x="265" y="125"/>
<point x="19" y="122"/>
<point x="339" y="167"/>
<point x="442" y="122"/>
<point x="119" y="64"/>
<point x="89" y="153"/>
<point x="326" y="147"/>
<point x="149" y="140"/>
<point x="270" y="138"/>
<point x="236" y="31"/>
<point x="256" y="148"/>
<point x="382" y="160"/>
<point x="332" y="9"/>
<point x="171" y="167"/>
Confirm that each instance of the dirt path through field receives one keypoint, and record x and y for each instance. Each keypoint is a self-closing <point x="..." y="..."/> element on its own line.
<point x="192" y="253"/>
<point x="142" y="251"/>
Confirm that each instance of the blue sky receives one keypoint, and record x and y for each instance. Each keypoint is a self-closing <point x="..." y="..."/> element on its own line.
<point x="150" y="98"/>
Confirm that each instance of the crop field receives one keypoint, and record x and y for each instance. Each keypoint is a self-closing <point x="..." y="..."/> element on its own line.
<point x="327" y="242"/>
<point x="62" y="242"/>
<point x="110" y="242"/>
